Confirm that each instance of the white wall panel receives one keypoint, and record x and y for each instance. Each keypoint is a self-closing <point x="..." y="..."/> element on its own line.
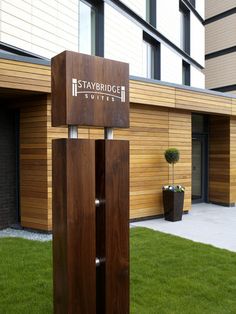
<point x="197" y="40"/>
<point x="168" y="20"/>
<point x="200" y="7"/>
<point x="123" y="40"/>
<point x="138" y="6"/>
<point x="197" y="78"/>
<point x="42" y="27"/>
<point x="171" y="66"/>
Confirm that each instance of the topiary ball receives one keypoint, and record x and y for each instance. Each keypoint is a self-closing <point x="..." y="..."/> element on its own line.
<point x="172" y="155"/>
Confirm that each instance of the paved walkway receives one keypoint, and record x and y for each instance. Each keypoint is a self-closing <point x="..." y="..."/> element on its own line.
<point x="206" y="223"/>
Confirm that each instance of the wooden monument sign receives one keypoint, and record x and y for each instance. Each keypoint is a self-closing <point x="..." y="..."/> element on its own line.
<point x="90" y="187"/>
<point x="90" y="91"/>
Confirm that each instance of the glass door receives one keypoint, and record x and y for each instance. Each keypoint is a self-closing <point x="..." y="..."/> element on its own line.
<point x="199" y="169"/>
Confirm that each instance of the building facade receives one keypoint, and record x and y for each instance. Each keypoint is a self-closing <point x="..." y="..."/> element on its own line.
<point x="159" y="39"/>
<point x="221" y="45"/>
<point x="163" y="41"/>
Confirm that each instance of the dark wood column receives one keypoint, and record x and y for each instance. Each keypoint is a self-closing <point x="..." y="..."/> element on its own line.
<point x="112" y="186"/>
<point x="74" y="226"/>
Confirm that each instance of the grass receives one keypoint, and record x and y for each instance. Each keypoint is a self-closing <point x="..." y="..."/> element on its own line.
<point x="168" y="275"/>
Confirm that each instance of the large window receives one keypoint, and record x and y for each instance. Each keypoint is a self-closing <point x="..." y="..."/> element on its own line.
<point x="91" y="27"/>
<point x="151" y="12"/>
<point x="184" y="29"/>
<point x="186" y="73"/>
<point x="151" y="58"/>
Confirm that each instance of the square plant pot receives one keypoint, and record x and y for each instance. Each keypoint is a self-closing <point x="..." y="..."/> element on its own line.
<point x="173" y="205"/>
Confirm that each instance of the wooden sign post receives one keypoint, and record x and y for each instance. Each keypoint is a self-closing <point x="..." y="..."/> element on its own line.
<point x="90" y="187"/>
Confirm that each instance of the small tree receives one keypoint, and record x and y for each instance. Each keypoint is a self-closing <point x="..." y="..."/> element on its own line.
<point x="172" y="157"/>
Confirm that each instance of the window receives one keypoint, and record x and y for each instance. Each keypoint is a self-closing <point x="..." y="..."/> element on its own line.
<point x="91" y="27"/>
<point x="151" y="58"/>
<point x="186" y="73"/>
<point x="184" y="29"/>
<point x="192" y="2"/>
<point x="151" y="12"/>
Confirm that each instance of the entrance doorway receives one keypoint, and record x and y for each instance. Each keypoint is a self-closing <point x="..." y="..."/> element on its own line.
<point x="199" y="158"/>
<point x="9" y="169"/>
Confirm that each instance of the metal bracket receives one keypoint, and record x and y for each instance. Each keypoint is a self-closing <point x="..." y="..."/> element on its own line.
<point x="108" y="133"/>
<point x="99" y="202"/>
<point x="99" y="261"/>
<point x="72" y="131"/>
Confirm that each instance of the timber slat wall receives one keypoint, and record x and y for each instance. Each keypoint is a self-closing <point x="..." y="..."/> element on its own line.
<point x="33" y="164"/>
<point x="180" y="98"/>
<point x="232" y="160"/>
<point x="25" y="76"/>
<point x="219" y="159"/>
<point x="180" y="136"/>
<point x="151" y="132"/>
<point x="160" y="118"/>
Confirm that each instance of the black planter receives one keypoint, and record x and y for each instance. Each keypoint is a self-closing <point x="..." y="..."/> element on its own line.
<point x="173" y="205"/>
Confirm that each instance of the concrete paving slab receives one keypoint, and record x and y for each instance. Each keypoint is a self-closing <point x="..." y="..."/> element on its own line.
<point x="205" y="223"/>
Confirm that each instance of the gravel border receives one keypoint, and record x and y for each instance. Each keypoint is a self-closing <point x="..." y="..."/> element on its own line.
<point x="13" y="233"/>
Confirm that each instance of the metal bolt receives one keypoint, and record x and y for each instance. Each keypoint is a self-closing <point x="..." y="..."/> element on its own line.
<point x="99" y="261"/>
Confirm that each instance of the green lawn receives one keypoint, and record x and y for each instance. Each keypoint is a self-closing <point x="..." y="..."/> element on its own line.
<point x="168" y="275"/>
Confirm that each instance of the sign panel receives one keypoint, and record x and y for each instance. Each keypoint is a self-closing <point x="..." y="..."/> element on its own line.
<point x="89" y="91"/>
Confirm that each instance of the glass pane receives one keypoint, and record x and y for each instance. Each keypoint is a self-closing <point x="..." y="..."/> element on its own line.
<point x="183" y="75"/>
<point x="182" y="30"/>
<point x="86" y="29"/>
<point x="196" y="169"/>
<point x="145" y="57"/>
<point x="197" y="123"/>
<point x="147" y="60"/>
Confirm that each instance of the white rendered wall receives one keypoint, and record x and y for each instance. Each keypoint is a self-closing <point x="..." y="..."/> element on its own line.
<point x="197" y="40"/>
<point x="171" y="66"/>
<point x="138" y="6"/>
<point x="40" y="26"/>
<point x="123" y="40"/>
<point x="197" y="78"/>
<point x="200" y="7"/>
<point x="168" y="20"/>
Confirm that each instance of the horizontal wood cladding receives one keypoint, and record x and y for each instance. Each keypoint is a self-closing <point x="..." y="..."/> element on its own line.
<point x="232" y="160"/>
<point x="179" y="98"/>
<point x="219" y="159"/>
<point x="37" y="78"/>
<point x="152" y="131"/>
<point x="25" y="76"/>
<point x="33" y="165"/>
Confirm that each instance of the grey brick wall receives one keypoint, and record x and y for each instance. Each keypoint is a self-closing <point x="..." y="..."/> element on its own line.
<point x="8" y="210"/>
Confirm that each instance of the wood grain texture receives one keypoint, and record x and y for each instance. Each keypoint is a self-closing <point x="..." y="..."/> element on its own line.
<point x="112" y="162"/>
<point x="91" y="104"/>
<point x="34" y="209"/>
<point x="74" y="250"/>
<point x="179" y="98"/>
<point x="155" y="125"/>
<point x="232" y="160"/>
<point x="25" y="76"/>
<point x="219" y="159"/>
<point x="152" y="131"/>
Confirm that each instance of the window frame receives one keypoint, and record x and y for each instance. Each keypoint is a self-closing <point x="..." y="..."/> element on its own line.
<point x="186" y="80"/>
<point x="98" y="7"/>
<point x="156" y="56"/>
<point x="186" y="27"/>
<point x="151" y="15"/>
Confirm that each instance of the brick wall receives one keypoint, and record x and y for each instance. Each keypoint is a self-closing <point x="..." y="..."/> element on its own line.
<point x="8" y="208"/>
